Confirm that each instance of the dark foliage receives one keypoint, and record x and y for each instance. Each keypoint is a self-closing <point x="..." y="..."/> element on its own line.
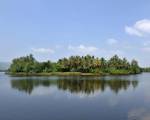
<point x="84" y="64"/>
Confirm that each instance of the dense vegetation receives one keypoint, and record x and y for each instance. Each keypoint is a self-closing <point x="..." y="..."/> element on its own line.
<point x="84" y="64"/>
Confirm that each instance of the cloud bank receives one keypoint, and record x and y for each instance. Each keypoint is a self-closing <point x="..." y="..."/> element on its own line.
<point x="83" y="48"/>
<point x="140" y="28"/>
<point x="43" y="50"/>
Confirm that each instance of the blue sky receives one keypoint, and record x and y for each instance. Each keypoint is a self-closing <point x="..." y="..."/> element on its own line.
<point x="52" y="29"/>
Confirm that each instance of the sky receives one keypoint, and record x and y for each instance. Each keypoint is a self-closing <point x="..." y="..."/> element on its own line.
<point x="52" y="29"/>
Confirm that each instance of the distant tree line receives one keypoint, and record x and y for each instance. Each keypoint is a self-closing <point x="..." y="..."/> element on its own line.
<point x="84" y="64"/>
<point x="146" y="69"/>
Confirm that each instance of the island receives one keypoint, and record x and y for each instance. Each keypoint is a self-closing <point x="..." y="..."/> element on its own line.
<point x="74" y="65"/>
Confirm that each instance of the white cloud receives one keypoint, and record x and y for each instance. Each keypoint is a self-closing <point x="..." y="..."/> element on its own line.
<point x="83" y="48"/>
<point x="43" y="50"/>
<point x="140" y="28"/>
<point x="143" y="25"/>
<point x="112" y="41"/>
<point x="133" y="31"/>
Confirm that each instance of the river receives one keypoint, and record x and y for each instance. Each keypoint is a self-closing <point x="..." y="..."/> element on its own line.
<point x="75" y="98"/>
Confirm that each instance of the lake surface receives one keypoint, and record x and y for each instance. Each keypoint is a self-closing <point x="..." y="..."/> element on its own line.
<point x="75" y="98"/>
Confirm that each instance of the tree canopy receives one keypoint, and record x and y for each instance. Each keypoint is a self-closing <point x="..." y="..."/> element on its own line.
<point x="84" y="64"/>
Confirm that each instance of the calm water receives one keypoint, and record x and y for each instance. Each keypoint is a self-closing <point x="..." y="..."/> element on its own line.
<point x="75" y="98"/>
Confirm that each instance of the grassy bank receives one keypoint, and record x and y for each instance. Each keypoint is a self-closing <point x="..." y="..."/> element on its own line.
<point x="55" y="74"/>
<point x="69" y="74"/>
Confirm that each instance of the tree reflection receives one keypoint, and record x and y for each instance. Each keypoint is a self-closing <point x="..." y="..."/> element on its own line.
<point x="75" y="86"/>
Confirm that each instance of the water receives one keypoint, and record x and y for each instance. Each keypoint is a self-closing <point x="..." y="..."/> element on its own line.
<point x="75" y="98"/>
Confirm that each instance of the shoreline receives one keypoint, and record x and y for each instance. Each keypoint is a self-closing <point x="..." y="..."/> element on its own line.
<point x="55" y="74"/>
<point x="65" y="74"/>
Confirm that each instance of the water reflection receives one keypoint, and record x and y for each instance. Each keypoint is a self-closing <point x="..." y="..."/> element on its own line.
<point x="139" y="114"/>
<point x="75" y="86"/>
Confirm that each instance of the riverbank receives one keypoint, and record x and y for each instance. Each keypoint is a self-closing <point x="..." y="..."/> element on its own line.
<point x="55" y="74"/>
<point x="67" y="74"/>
